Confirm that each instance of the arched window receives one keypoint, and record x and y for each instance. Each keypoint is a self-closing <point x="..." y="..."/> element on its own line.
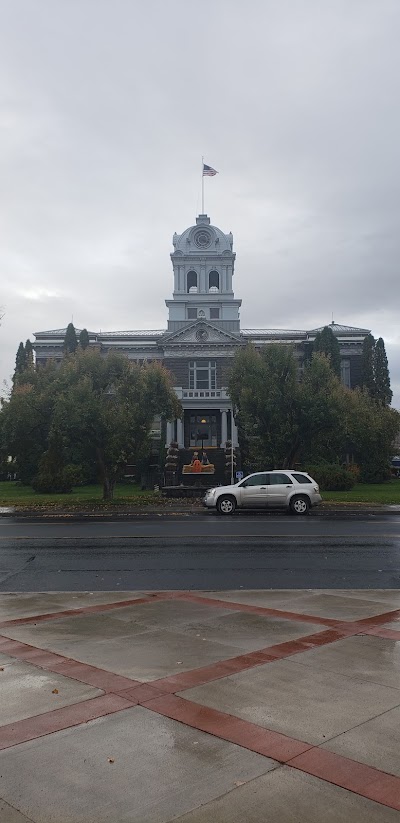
<point x="191" y="281"/>
<point x="213" y="280"/>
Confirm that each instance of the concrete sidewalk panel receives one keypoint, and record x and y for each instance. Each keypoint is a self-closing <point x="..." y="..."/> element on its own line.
<point x="337" y="604"/>
<point x="389" y="597"/>
<point x="267" y="599"/>
<point x="67" y="633"/>
<point x="249" y="632"/>
<point x="376" y="742"/>
<point x="370" y="658"/>
<point x="6" y="660"/>
<point x="155" y="654"/>
<point x="10" y="815"/>
<point x="27" y="691"/>
<point x="166" y="614"/>
<point x="160" y="770"/>
<point x="286" y="796"/>
<point x="393" y="624"/>
<point x="18" y="604"/>
<point x="300" y="702"/>
<point x="140" y="655"/>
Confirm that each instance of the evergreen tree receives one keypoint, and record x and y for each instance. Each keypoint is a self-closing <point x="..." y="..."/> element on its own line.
<point x="383" y="393"/>
<point x="70" y="339"/>
<point x="20" y="362"/>
<point x="29" y="354"/>
<point x="84" y="339"/>
<point x="368" y="365"/>
<point x="326" y="343"/>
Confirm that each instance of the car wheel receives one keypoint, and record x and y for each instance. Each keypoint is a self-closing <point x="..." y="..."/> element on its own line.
<point x="226" y="504"/>
<point x="299" y="505"/>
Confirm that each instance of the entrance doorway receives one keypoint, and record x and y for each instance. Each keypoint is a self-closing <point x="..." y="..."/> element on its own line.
<point x="203" y="430"/>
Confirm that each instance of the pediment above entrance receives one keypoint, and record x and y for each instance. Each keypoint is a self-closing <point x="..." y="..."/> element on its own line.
<point x="201" y="332"/>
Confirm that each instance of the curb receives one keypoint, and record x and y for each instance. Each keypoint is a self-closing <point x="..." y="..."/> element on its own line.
<point x="327" y="510"/>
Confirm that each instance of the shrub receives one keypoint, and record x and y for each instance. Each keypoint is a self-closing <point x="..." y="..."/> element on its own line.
<point x="74" y="475"/>
<point x="332" y="477"/>
<point x="48" y="483"/>
<point x="354" y="470"/>
<point x="375" y="470"/>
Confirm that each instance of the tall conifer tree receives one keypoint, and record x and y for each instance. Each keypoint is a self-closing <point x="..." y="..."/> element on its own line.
<point x="29" y="354"/>
<point x="368" y="365"/>
<point x="84" y="339"/>
<point x="20" y="361"/>
<point x="383" y="392"/>
<point x="70" y="339"/>
<point x="326" y="343"/>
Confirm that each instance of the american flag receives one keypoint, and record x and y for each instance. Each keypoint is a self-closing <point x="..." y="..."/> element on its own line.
<point x="208" y="171"/>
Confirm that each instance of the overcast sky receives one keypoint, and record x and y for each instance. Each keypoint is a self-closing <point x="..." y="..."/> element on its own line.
<point x="106" y="107"/>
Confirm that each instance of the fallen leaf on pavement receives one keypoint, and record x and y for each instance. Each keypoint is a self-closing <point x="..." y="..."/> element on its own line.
<point x="55" y="691"/>
<point x="111" y="760"/>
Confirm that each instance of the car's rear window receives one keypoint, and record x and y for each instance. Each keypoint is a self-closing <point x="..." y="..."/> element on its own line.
<point x="301" y="478"/>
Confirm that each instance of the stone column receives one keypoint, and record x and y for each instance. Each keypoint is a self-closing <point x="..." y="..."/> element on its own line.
<point x="179" y="433"/>
<point x="224" y="427"/>
<point x="235" y="441"/>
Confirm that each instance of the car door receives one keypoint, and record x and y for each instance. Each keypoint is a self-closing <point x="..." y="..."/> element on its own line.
<point x="253" y="491"/>
<point x="279" y="488"/>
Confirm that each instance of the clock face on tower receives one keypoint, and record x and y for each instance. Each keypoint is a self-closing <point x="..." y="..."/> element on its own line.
<point x="202" y="239"/>
<point x="202" y="335"/>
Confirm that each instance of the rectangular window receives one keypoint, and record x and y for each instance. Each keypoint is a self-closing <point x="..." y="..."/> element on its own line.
<point x="192" y="314"/>
<point x="214" y="314"/>
<point x="345" y="373"/>
<point x="202" y="374"/>
<point x="279" y="479"/>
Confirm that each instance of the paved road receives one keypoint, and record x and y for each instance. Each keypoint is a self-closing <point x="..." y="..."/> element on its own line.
<point x="201" y="552"/>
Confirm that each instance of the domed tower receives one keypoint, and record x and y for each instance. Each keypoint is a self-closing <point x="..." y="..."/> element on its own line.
<point x="203" y="262"/>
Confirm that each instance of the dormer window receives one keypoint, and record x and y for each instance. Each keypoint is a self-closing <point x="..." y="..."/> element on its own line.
<point x="213" y="280"/>
<point x="191" y="281"/>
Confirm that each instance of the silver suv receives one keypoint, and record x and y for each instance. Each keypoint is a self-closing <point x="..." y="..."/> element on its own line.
<point x="296" y="491"/>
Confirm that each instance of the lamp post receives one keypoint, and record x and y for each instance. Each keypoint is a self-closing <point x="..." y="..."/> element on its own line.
<point x="234" y="414"/>
<point x="202" y="422"/>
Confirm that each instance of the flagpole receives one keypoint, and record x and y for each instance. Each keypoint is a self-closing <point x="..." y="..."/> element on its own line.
<point x="202" y="185"/>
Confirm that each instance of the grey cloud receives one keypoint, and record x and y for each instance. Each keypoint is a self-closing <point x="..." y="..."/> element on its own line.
<point x="105" y="111"/>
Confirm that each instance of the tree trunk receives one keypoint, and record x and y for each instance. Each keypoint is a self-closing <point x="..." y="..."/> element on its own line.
<point x="108" y="488"/>
<point x="108" y="484"/>
<point x="290" y="458"/>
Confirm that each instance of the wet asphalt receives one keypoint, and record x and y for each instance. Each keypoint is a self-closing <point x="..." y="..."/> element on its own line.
<point x="263" y="551"/>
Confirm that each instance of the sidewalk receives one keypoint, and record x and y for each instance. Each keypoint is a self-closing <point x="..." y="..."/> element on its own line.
<point x="254" y="706"/>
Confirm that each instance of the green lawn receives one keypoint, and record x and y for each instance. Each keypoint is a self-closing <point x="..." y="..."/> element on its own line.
<point x="88" y="497"/>
<point x="12" y="494"/>
<point x="367" y="493"/>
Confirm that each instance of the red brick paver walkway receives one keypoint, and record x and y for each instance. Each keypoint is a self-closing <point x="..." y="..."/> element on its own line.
<point x="160" y="696"/>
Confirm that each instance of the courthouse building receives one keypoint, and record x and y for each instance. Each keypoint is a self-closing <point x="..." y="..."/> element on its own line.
<point x="202" y="335"/>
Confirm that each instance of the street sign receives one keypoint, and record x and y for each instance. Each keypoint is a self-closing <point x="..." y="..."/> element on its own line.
<point x="239" y="475"/>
